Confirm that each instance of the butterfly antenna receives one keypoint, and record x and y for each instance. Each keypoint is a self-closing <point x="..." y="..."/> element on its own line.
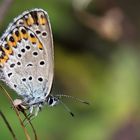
<point x="77" y="99"/>
<point x="67" y="108"/>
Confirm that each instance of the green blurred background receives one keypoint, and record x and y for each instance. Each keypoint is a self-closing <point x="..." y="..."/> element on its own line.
<point x="97" y="55"/>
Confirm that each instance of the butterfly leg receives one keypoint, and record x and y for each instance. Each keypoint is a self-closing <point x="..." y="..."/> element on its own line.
<point x="37" y="110"/>
<point x="31" y="109"/>
<point x="34" y="110"/>
<point x="32" y="115"/>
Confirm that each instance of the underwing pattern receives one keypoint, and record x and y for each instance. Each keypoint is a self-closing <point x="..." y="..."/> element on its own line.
<point x="27" y="58"/>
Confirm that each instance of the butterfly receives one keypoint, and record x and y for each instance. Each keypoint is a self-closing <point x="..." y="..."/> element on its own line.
<point x="27" y="59"/>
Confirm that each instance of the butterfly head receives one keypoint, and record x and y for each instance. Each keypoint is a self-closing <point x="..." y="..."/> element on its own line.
<point x="52" y="100"/>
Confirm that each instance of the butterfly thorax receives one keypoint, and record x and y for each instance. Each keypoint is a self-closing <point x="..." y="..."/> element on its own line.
<point x="32" y="99"/>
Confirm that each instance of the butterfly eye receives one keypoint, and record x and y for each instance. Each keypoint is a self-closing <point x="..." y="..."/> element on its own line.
<point x="50" y="101"/>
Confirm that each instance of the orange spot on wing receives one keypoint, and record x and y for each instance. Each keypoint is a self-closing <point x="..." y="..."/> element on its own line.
<point x="44" y="20"/>
<point x="17" y="38"/>
<point x="3" y="56"/>
<point x="14" y="44"/>
<point x="39" y="45"/>
<point x="10" y="42"/>
<point x="8" y="52"/>
<point x="23" y="35"/>
<point x="41" y="19"/>
<point x="2" y="61"/>
<point x="33" y="40"/>
<point x="30" y="19"/>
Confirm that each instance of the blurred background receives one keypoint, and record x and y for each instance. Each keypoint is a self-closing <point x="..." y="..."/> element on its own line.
<point x="97" y="59"/>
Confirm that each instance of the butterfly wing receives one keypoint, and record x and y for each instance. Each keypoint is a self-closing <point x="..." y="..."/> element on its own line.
<point x="26" y="54"/>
